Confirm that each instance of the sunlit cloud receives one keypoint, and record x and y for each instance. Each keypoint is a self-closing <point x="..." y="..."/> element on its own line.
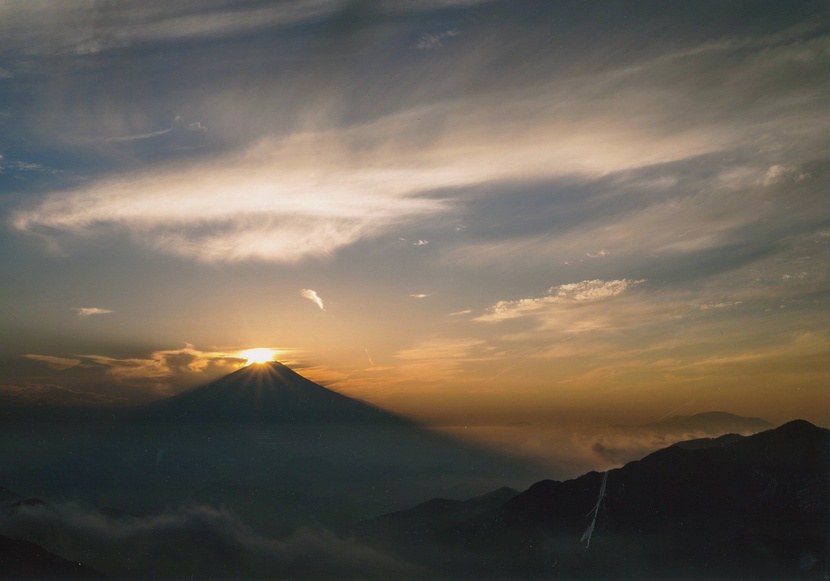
<point x="261" y="205"/>
<point x="58" y="363"/>
<point x="84" y="312"/>
<point x="419" y="295"/>
<point x="719" y="305"/>
<point x="310" y="194"/>
<point x="780" y="173"/>
<point x="461" y="313"/>
<point x="165" y="369"/>
<point x="578" y="292"/>
<point x="313" y="297"/>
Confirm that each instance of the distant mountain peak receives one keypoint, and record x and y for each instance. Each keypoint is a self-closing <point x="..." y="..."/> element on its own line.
<point x="713" y="423"/>
<point x="265" y="392"/>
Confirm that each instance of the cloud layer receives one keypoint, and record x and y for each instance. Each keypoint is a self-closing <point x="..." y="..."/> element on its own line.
<point x="193" y="541"/>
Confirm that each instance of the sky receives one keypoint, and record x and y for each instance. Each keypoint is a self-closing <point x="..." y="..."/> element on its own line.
<point x="467" y="211"/>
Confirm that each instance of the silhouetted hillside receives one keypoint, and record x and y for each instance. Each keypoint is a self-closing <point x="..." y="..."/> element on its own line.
<point x="25" y="560"/>
<point x="745" y="507"/>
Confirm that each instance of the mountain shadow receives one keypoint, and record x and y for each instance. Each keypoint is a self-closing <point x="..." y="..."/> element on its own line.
<point x="731" y="507"/>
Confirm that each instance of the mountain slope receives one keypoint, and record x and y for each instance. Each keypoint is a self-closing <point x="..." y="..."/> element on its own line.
<point x="26" y="560"/>
<point x="752" y="507"/>
<point x="262" y="430"/>
<point x="269" y="392"/>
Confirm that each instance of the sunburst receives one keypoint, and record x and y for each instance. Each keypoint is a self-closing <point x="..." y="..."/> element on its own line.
<point x="258" y="356"/>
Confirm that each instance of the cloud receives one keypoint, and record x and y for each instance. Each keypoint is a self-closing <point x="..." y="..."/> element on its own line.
<point x="421" y="243"/>
<point x="70" y="29"/>
<point x="53" y="394"/>
<point x="438" y="360"/>
<point x="586" y="291"/>
<point x="58" y="363"/>
<point x="165" y="369"/>
<point x="313" y="297"/>
<point x="419" y="295"/>
<point x="163" y="372"/>
<point x="84" y="312"/>
<point x="461" y="313"/>
<point x="271" y="203"/>
<point x="194" y="541"/>
<point x="429" y="41"/>
<point x="777" y="174"/>
<point x="718" y="305"/>
<point x="162" y="363"/>
<point x="139" y="136"/>
<point x="315" y="191"/>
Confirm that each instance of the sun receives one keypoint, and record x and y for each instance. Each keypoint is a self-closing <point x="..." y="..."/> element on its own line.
<point x="258" y="356"/>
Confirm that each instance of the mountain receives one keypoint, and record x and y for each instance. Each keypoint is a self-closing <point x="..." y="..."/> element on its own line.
<point x="739" y="507"/>
<point x="262" y="433"/>
<point x="711" y="424"/>
<point x="26" y="560"/>
<point x="268" y="392"/>
<point x="22" y="559"/>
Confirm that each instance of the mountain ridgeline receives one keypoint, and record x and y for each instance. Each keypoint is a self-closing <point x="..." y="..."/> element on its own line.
<point x="265" y="474"/>
<point x="260" y="432"/>
<point x="721" y="508"/>
<point x="266" y="393"/>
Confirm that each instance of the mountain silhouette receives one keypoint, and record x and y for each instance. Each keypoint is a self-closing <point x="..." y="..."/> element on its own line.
<point x="21" y="559"/>
<point x="748" y="507"/>
<point x="267" y="392"/>
<point x="256" y="441"/>
<point x="710" y="423"/>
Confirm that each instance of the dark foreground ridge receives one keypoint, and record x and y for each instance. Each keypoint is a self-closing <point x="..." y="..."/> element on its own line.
<point x="25" y="560"/>
<point x="739" y="507"/>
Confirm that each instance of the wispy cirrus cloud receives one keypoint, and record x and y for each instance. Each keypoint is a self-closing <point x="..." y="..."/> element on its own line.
<point x="59" y="363"/>
<point x="265" y="204"/>
<point x="433" y="40"/>
<point x="69" y="26"/>
<point x="312" y="295"/>
<point x="438" y="359"/>
<point x="84" y="312"/>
